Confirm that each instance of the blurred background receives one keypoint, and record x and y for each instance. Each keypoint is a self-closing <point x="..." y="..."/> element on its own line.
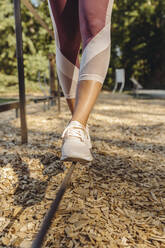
<point x="138" y="44"/>
<point x="119" y="200"/>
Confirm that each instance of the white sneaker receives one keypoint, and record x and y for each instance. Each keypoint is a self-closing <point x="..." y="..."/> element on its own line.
<point x="75" y="146"/>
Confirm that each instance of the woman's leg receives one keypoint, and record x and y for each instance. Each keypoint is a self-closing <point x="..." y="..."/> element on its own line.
<point x="65" y="19"/>
<point x="95" y="22"/>
<point x="95" y="18"/>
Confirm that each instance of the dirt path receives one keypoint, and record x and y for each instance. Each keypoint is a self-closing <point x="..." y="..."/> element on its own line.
<point x="117" y="201"/>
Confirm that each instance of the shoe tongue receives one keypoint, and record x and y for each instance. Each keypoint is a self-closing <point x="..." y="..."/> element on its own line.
<point x="76" y="123"/>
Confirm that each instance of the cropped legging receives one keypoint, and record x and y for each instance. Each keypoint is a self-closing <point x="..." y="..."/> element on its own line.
<point x="76" y="21"/>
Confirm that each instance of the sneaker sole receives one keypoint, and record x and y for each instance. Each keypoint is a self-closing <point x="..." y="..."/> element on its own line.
<point x="69" y="159"/>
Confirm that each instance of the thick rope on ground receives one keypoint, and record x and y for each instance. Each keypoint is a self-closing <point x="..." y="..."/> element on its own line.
<point x="48" y="218"/>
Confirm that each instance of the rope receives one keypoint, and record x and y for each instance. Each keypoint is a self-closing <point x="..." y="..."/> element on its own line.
<point x="48" y="218"/>
<point x="37" y="17"/>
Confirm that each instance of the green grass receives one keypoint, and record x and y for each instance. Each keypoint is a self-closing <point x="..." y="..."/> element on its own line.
<point x="5" y="100"/>
<point x="9" y="86"/>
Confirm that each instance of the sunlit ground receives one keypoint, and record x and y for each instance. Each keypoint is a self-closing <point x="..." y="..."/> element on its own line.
<point x="117" y="201"/>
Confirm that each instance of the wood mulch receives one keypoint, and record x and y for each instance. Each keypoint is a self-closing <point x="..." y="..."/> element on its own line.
<point x="117" y="201"/>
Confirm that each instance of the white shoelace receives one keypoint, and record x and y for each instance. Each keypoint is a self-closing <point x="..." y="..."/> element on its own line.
<point x="75" y="130"/>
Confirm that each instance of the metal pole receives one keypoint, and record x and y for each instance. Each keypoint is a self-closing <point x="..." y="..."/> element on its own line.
<point x="19" y="50"/>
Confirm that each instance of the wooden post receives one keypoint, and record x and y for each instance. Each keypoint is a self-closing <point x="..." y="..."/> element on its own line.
<point x="59" y="95"/>
<point x="17" y="112"/>
<point x="58" y="90"/>
<point x="53" y="89"/>
<point x="19" y="50"/>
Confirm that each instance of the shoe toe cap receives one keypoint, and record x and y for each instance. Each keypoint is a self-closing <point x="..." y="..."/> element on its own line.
<point x="76" y="149"/>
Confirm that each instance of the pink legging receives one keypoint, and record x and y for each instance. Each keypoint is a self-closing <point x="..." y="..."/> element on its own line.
<point x="76" y="21"/>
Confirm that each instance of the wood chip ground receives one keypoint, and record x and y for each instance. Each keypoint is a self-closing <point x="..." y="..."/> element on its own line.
<point x="116" y="201"/>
